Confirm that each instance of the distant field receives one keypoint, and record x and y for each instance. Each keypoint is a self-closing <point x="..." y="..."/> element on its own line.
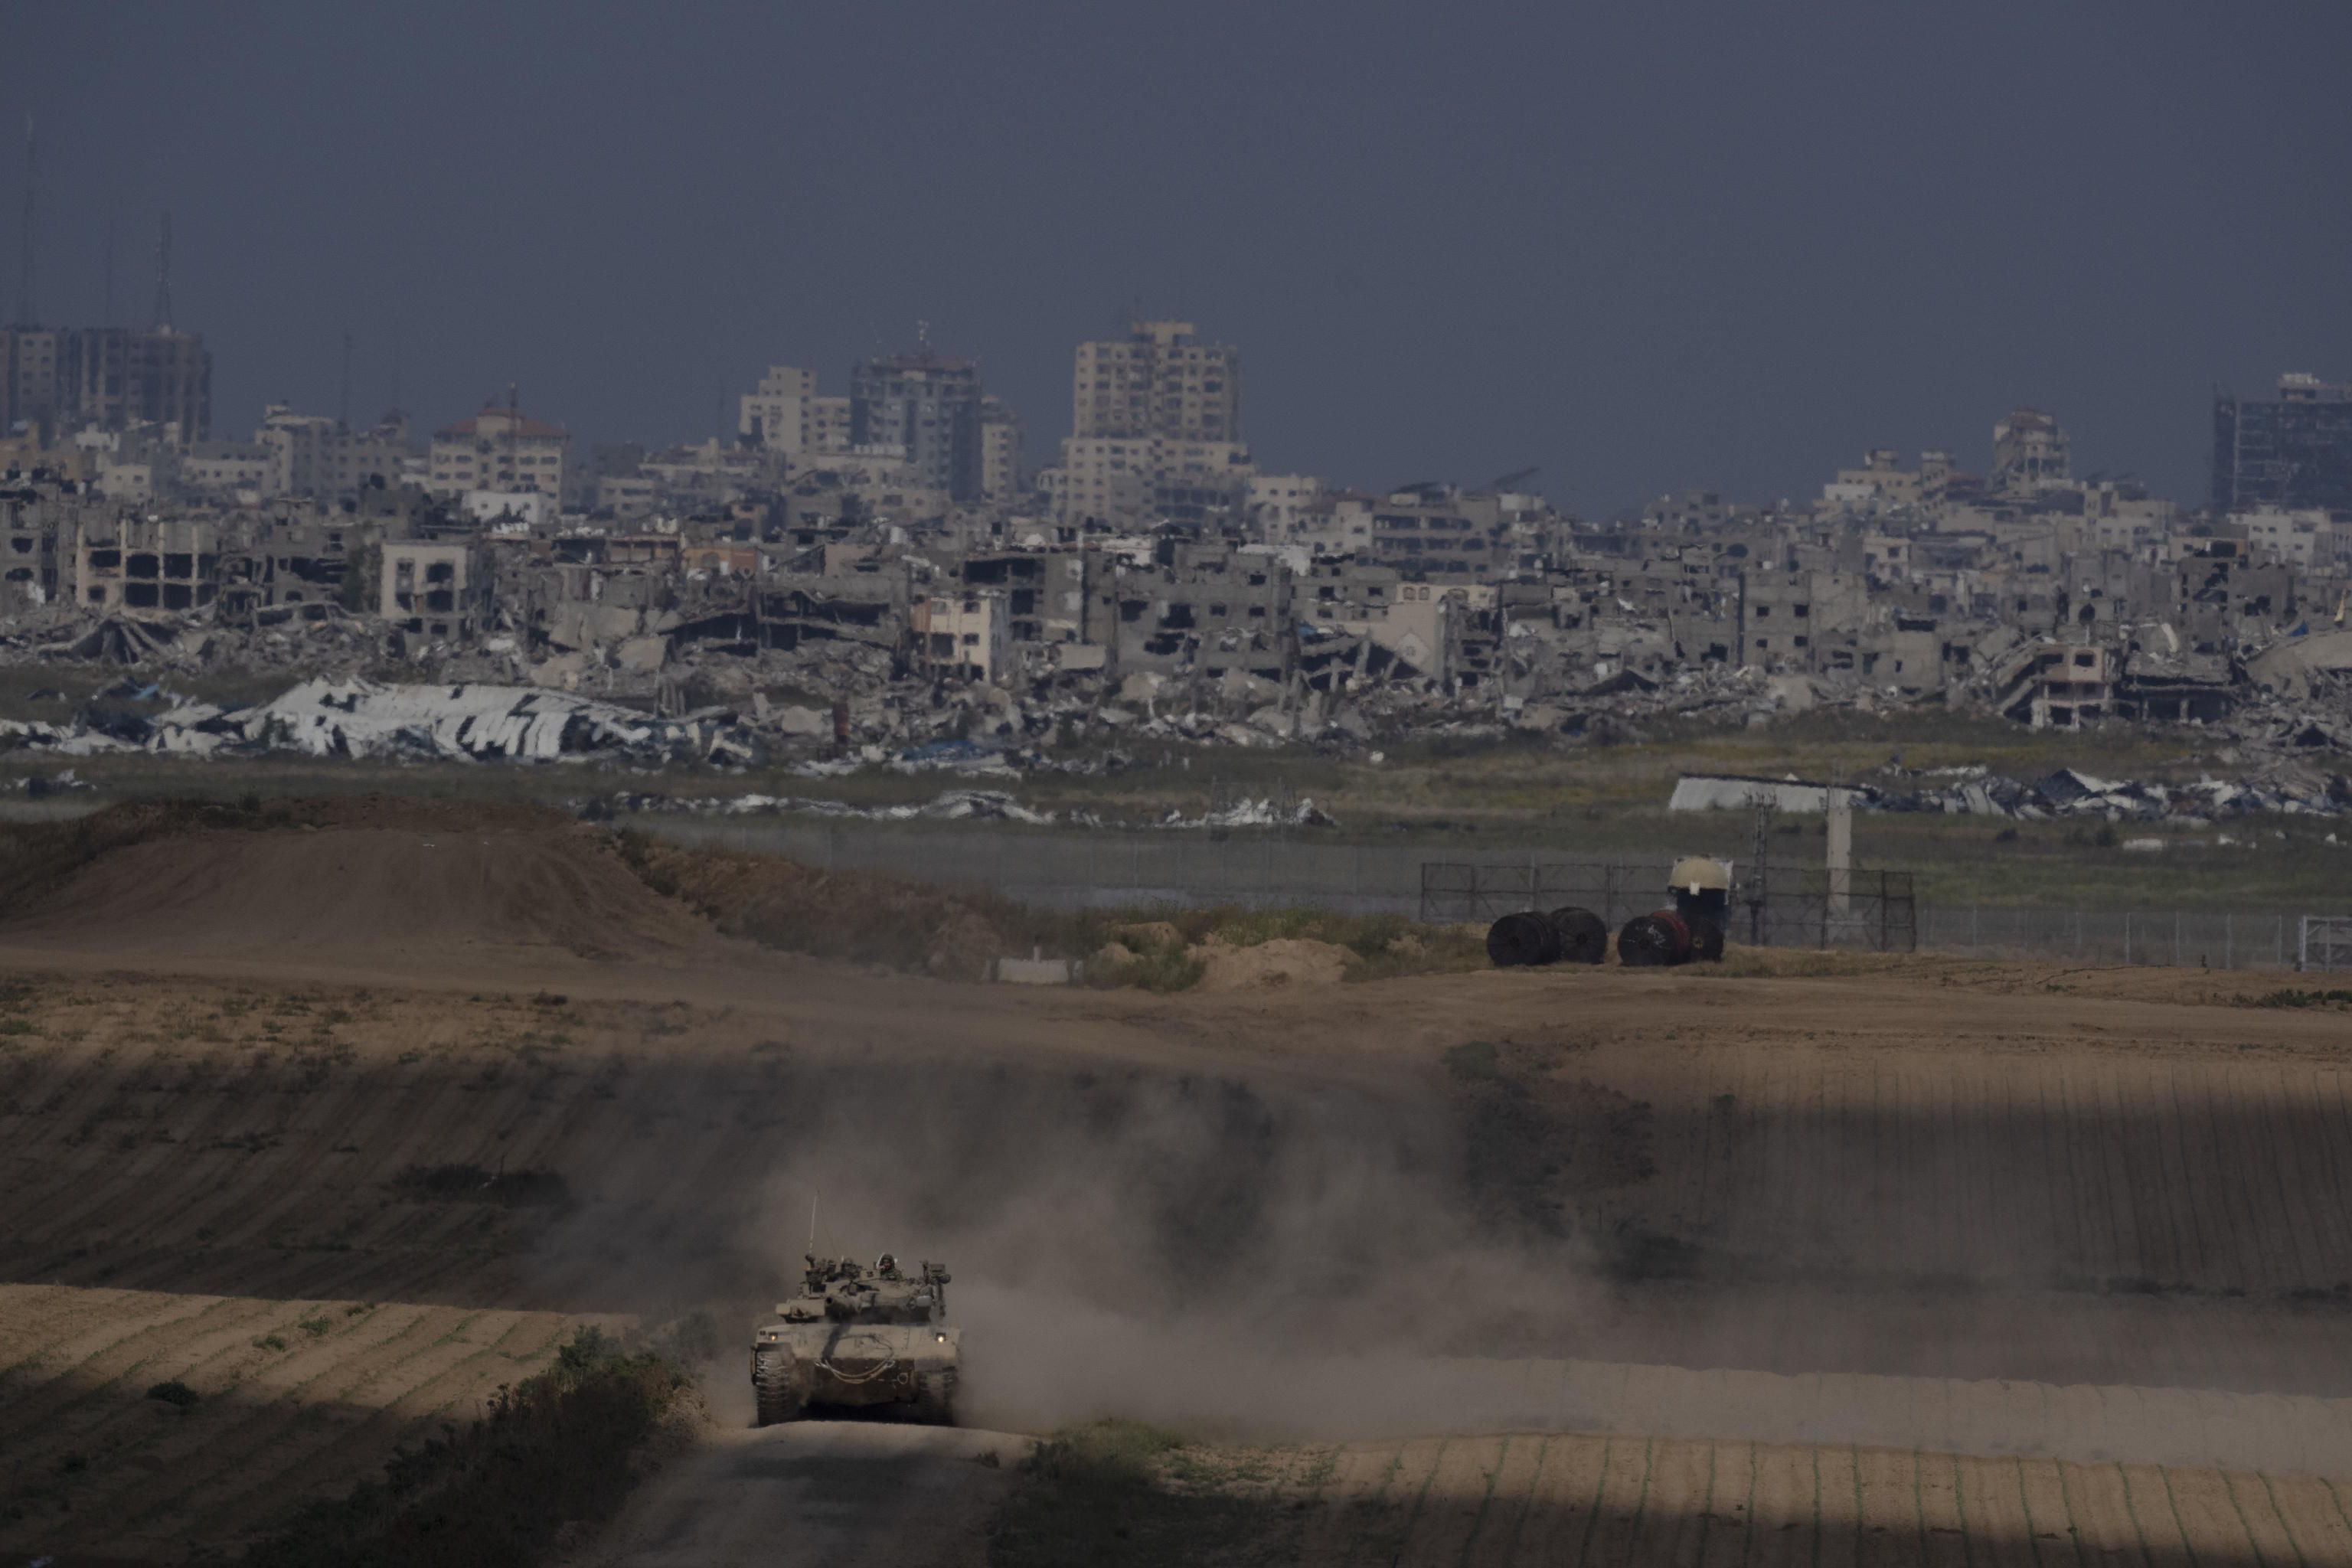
<point x="1466" y="799"/>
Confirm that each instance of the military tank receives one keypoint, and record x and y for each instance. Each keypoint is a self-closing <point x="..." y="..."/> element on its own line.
<point x="857" y="1336"/>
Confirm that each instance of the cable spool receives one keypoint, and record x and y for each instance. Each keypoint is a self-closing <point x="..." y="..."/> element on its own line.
<point x="1706" y="939"/>
<point x="1522" y="939"/>
<point x="1659" y="938"/>
<point x="1584" y="936"/>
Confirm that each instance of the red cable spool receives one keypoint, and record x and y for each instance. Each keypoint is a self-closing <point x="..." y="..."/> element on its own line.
<point x="1661" y="937"/>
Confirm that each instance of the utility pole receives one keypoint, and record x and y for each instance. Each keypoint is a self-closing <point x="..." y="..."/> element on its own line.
<point x="163" y="276"/>
<point x="1759" y="846"/>
<point x="514" y="434"/>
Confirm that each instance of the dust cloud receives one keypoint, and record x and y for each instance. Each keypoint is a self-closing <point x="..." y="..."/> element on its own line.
<point x="1282" y="1256"/>
<point x="1236" y="1256"/>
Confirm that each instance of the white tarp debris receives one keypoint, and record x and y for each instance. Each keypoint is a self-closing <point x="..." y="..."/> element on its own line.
<point x="363" y="719"/>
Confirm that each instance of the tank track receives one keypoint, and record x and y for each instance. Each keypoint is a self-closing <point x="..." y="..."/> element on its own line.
<point x="778" y="1391"/>
<point x="935" y="1397"/>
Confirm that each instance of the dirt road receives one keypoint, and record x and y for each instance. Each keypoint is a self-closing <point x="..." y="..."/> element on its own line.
<point x="834" y="1494"/>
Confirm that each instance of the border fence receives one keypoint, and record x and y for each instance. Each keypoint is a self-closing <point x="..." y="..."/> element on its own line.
<point x="2324" y="942"/>
<point x="1789" y="906"/>
<point x="1113" y="868"/>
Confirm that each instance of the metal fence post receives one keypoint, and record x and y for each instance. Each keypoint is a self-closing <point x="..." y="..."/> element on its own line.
<point x="2228" y="941"/>
<point x="2127" y="937"/>
<point x="2278" y="940"/>
<point x="2176" y="939"/>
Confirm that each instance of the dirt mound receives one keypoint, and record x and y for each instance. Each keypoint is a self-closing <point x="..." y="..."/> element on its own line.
<point x="378" y="888"/>
<point x="915" y="926"/>
<point x="1285" y="961"/>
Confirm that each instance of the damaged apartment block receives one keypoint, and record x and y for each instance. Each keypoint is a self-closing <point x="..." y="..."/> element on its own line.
<point x="432" y="588"/>
<point x="1207" y="607"/>
<point x="148" y="564"/>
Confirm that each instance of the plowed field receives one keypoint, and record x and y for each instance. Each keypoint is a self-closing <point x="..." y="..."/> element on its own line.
<point x="1532" y="1499"/>
<point x="272" y="1399"/>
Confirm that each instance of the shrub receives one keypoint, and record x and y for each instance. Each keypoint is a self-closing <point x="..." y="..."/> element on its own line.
<point x="554" y="1449"/>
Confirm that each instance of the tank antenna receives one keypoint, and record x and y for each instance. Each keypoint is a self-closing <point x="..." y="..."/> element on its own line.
<point x="812" y="1245"/>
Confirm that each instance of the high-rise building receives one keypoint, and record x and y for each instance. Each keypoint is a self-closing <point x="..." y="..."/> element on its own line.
<point x="2290" y="451"/>
<point x="2029" y="452"/>
<point x="1159" y="380"/>
<point x="785" y="414"/>
<point x="1001" y="477"/>
<point x="29" y="361"/>
<point x="926" y="406"/>
<point x="110" y="377"/>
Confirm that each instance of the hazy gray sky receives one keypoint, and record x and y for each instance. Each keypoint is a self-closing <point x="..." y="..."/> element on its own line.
<point x="1643" y="247"/>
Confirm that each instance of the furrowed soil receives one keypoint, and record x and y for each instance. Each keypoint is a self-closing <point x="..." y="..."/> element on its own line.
<point x="1812" y="1225"/>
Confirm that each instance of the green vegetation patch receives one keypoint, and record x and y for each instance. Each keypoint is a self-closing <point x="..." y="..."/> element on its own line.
<point x="2290" y="997"/>
<point x="1121" y="1491"/>
<point x="551" y="1459"/>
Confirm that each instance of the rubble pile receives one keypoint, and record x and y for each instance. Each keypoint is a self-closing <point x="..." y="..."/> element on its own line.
<point x="2283" y="787"/>
<point x="951" y="805"/>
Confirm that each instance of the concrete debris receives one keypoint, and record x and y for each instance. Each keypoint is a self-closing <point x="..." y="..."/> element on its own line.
<point x="1254" y="814"/>
<point x="2285" y="787"/>
<point x="949" y="806"/>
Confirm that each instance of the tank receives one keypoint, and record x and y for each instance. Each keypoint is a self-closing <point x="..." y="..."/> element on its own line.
<point x="859" y="1336"/>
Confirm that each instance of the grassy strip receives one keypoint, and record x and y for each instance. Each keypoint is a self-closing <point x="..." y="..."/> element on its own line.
<point x="957" y="933"/>
<point x="1121" y="1491"/>
<point x="552" y="1456"/>
<point x="2290" y="997"/>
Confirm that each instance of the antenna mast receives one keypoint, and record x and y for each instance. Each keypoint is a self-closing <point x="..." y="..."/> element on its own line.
<point x="25" y="280"/>
<point x="163" y="276"/>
